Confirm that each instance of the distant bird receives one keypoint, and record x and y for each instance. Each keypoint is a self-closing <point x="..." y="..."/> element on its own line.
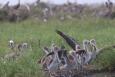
<point x="38" y="1"/>
<point x="45" y="20"/>
<point x="11" y="44"/>
<point x="109" y="4"/>
<point x="22" y="46"/>
<point x="25" y="45"/>
<point x="6" y="5"/>
<point x="62" y="18"/>
<point x="17" y="6"/>
<point x="70" y="41"/>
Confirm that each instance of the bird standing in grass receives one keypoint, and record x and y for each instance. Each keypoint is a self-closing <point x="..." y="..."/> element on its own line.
<point x="11" y="44"/>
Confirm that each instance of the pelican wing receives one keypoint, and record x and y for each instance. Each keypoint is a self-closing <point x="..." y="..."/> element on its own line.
<point x="70" y="41"/>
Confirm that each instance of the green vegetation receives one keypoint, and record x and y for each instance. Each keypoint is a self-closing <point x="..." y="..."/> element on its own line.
<point x="105" y="60"/>
<point x="32" y="31"/>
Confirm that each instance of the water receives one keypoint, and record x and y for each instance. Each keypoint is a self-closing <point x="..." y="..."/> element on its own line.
<point x="102" y="75"/>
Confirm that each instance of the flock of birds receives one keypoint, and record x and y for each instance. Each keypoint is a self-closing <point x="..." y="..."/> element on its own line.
<point x="14" y="13"/>
<point x="16" y="50"/>
<point x="59" y="63"/>
<point x="21" y="12"/>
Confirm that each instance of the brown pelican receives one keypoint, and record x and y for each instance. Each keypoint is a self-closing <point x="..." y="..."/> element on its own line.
<point x="83" y="55"/>
<point x="22" y="46"/>
<point x="95" y="50"/>
<point x="87" y="48"/>
<point x="56" y="57"/>
<point x="78" y="54"/>
<point x="72" y="43"/>
<point x="53" y="58"/>
<point x="91" y="49"/>
<point x="53" y="67"/>
<point x="11" y="44"/>
<point x="49" y="52"/>
<point x="109" y="4"/>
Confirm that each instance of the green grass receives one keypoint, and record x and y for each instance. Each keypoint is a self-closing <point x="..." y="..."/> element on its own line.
<point x="105" y="60"/>
<point x="32" y="31"/>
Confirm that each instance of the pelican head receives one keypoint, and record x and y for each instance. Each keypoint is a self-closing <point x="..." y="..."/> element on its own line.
<point x="92" y="41"/>
<point x="77" y="47"/>
<point x="25" y="45"/>
<point x="11" y="44"/>
<point x="93" y="44"/>
<point x="85" y="44"/>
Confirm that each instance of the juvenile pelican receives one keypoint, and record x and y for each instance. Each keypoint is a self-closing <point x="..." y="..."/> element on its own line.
<point x="11" y="44"/>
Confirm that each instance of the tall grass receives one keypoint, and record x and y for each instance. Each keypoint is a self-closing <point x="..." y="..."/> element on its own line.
<point x="32" y="31"/>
